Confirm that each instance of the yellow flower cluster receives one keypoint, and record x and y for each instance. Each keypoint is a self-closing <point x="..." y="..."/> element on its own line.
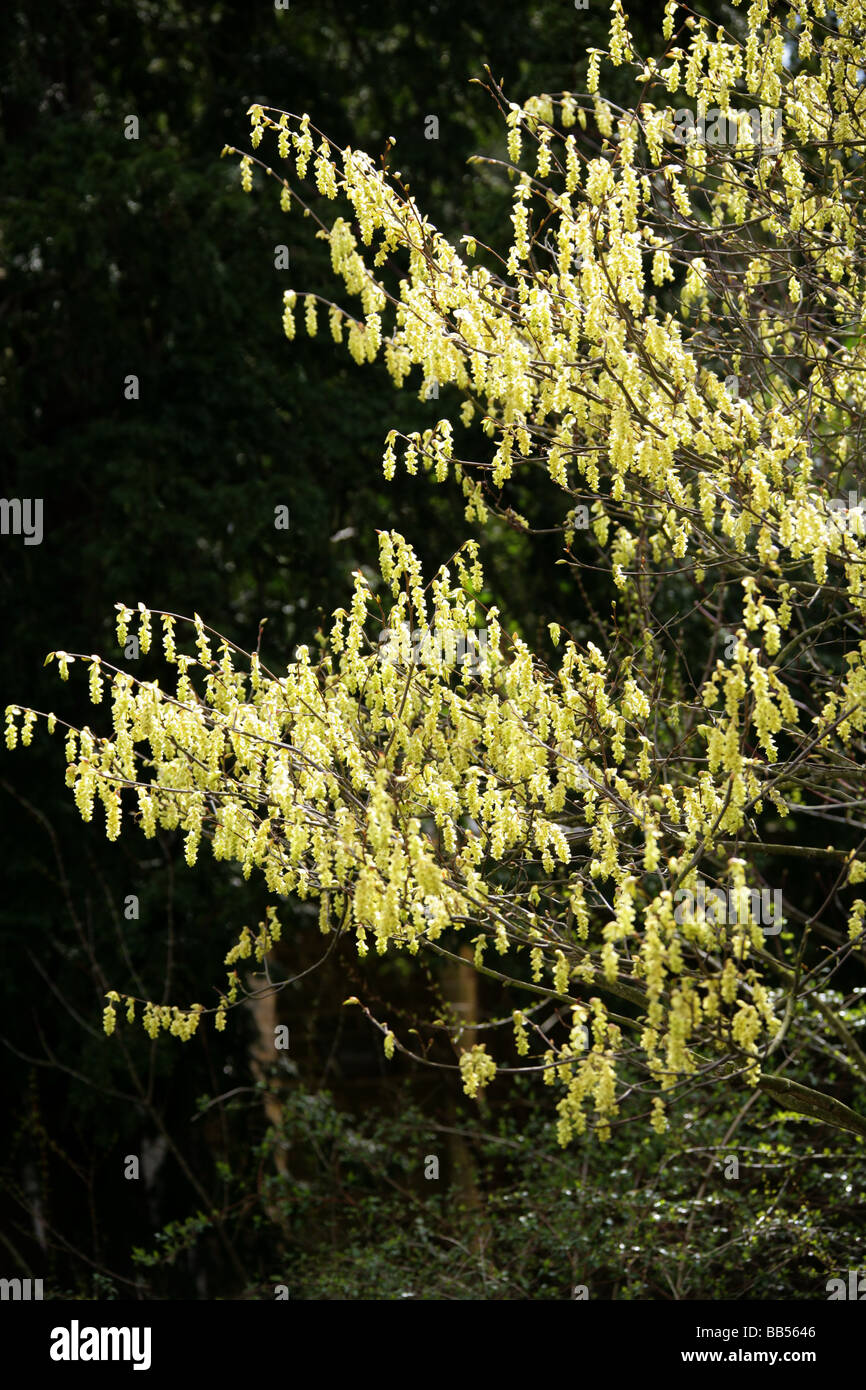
<point x="477" y="1070"/>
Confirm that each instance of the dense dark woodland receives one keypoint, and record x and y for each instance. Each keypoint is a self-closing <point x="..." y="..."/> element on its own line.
<point x="142" y="256"/>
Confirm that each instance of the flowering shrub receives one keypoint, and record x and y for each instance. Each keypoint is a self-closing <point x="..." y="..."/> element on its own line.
<point x="552" y="814"/>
